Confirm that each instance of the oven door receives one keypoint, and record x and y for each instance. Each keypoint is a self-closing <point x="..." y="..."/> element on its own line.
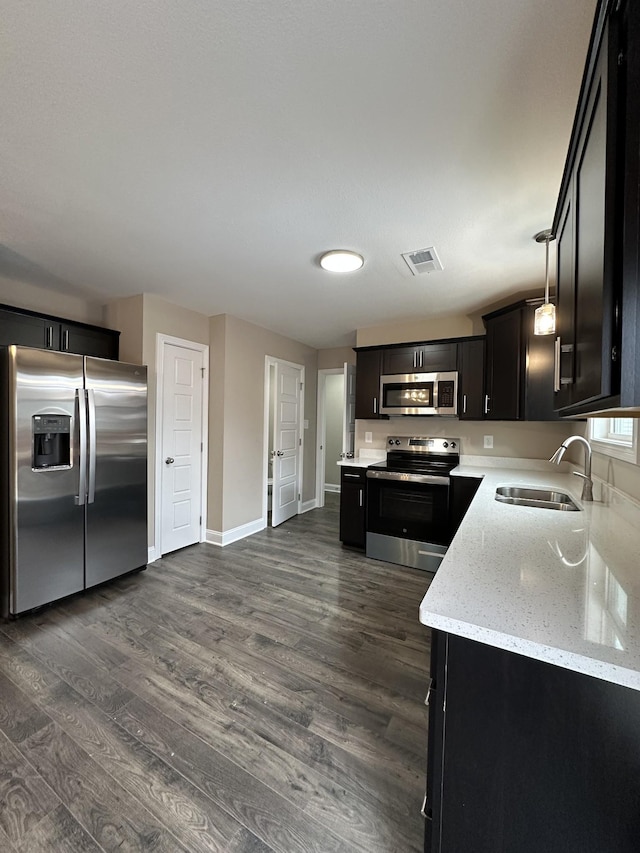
<point x="408" y="506"/>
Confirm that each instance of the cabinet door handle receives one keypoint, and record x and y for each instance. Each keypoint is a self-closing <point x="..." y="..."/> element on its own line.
<point x="423" y="810"/>
<point x="65" y="340"/>
<point x="357" y="476"/>
<point x="568" y="349"/>
<point x="486" y="404"/>
<point x="375" y="405"/>
<point x="421" y="358"/>
<point x="428" y="696"/>
<point x="49" y="338"/>
<point x="464" y="404"/>
<point x="361" y="497"/>
<point x="556" y="365"/>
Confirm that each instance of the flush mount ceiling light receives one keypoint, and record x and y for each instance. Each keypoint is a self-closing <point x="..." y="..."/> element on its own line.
<point x="341" y="260"/>
<point x="544" y="318"/>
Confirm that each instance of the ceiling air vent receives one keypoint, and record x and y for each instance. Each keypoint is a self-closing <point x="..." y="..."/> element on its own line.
<point x="424" y="260"/>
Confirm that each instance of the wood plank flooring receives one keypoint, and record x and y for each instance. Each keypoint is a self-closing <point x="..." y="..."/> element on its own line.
<point x="262" y="698"/>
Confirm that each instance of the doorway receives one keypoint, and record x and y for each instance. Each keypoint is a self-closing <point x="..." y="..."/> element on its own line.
<point x="336" y="426"/>
<point x="181" y="443"/>
<point x="284" y="410"/>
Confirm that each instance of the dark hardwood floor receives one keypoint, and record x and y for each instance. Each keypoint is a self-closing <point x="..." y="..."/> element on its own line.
<point x="267" y="696"/>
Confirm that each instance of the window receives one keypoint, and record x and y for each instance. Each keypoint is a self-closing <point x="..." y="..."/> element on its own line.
<point x="615" y="437"/>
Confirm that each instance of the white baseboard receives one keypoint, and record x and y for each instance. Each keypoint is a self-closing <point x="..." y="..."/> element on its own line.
<point x="332" y="487"/>
<point x="307" y="505"/>
<point x="215" y="537"/>
<point x="152" y="555"/>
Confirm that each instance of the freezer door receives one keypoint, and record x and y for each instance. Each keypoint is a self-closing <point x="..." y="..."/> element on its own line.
<point x="46" y="522"/>
<point x="116" y="540"/>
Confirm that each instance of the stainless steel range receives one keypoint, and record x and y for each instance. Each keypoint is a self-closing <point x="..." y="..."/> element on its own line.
<point x="408" y="519"/>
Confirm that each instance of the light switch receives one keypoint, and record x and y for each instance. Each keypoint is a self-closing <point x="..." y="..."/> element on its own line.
<point x="305" y="423"/>
<point x="368" y="437"/>
<point x="488" y="441"/>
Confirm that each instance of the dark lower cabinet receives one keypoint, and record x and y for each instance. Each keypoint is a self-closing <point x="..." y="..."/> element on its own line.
<point x="462" y="491"/>
<point x="28" y="329"/>
<point x="527" y="757"/>
<point x="353" y="494"/>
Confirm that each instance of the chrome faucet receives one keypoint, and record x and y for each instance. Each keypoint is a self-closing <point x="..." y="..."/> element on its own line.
<point x="587" y="486"/>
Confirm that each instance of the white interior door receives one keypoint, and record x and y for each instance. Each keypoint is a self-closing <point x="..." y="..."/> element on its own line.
<point x="286" y="449"/>
<point x="181" y="488"/>
<point x="349" y="413"/>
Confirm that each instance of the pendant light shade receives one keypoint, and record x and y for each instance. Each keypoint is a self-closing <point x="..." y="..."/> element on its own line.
<point x="544" y="319"/>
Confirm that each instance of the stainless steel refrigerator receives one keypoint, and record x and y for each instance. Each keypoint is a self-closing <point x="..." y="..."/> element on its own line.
<point x="73" y="511"/>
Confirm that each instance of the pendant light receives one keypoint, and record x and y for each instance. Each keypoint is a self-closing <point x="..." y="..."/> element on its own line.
<point x="544" y="319"/>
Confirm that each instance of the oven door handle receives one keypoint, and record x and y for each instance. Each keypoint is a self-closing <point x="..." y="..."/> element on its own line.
<point x="433" y="479"/>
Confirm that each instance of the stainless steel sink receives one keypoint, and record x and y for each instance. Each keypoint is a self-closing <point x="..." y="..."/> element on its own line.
<point x="542" y="498"/>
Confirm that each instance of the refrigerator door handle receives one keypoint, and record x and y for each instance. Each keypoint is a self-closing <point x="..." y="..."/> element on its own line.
<point x="91" y="491"/>
<point x="81" y="497"/>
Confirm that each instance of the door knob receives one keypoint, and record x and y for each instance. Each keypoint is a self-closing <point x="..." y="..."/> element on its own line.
<point x="169" y="460"/>
<point x="280" y="453"/>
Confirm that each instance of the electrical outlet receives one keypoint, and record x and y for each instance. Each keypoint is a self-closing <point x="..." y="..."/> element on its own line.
<point x="488" y="441"/>
<point x="368" y="437"/>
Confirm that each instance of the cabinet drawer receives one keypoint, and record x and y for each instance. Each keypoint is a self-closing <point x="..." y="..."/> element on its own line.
<point x="353" y="475"/>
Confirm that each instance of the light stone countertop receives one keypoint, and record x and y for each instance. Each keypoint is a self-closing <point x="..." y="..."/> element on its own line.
<point x="561" y="587"/>
<point x="364" y="459"/>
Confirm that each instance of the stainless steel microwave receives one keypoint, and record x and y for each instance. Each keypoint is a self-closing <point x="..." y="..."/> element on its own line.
<point x="419" y="394"/>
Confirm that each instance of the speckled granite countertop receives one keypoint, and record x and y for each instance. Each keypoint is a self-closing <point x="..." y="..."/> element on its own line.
<point x="363" y="460"/>
<point x="561" y="587"/>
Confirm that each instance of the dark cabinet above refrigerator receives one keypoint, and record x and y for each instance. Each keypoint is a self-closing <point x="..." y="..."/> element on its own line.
<point x="29" y="329"/>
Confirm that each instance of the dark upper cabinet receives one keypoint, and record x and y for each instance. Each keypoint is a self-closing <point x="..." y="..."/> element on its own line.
<point x="471" y="358"/>
<point x="353" y="490"/>
<point x="101" y="343"/>
<point x="519" y="366"/>
<point x="28" y="329"/>
<point x="427" y="358"/>
<point x="597" y="225"/>
<point x="368" y="366"/>
<point x="504" y="365"/>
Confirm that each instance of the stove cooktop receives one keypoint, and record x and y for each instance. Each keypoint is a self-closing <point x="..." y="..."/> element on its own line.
<point x="421" y="454"/>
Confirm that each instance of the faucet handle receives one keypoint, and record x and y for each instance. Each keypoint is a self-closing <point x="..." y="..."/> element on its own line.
<point x="587" y="486"/>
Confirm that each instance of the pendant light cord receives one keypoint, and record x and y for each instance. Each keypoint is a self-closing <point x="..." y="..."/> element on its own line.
<point x="546" y="285"/>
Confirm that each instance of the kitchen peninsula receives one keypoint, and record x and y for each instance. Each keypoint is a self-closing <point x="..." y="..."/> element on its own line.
<point x="535" y="696"/>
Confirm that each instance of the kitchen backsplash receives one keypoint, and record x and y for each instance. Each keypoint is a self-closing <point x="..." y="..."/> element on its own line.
<point x="523" y="440"/>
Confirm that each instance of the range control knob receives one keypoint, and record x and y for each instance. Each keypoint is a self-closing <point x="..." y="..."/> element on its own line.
<point x="398" y="441"/>
<point x="445" y="444"/>
<point x="390" y="441"/>
<point x="453" y="444"/>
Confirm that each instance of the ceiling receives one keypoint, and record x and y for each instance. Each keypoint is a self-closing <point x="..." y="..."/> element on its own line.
<point x="209" y="151"/>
